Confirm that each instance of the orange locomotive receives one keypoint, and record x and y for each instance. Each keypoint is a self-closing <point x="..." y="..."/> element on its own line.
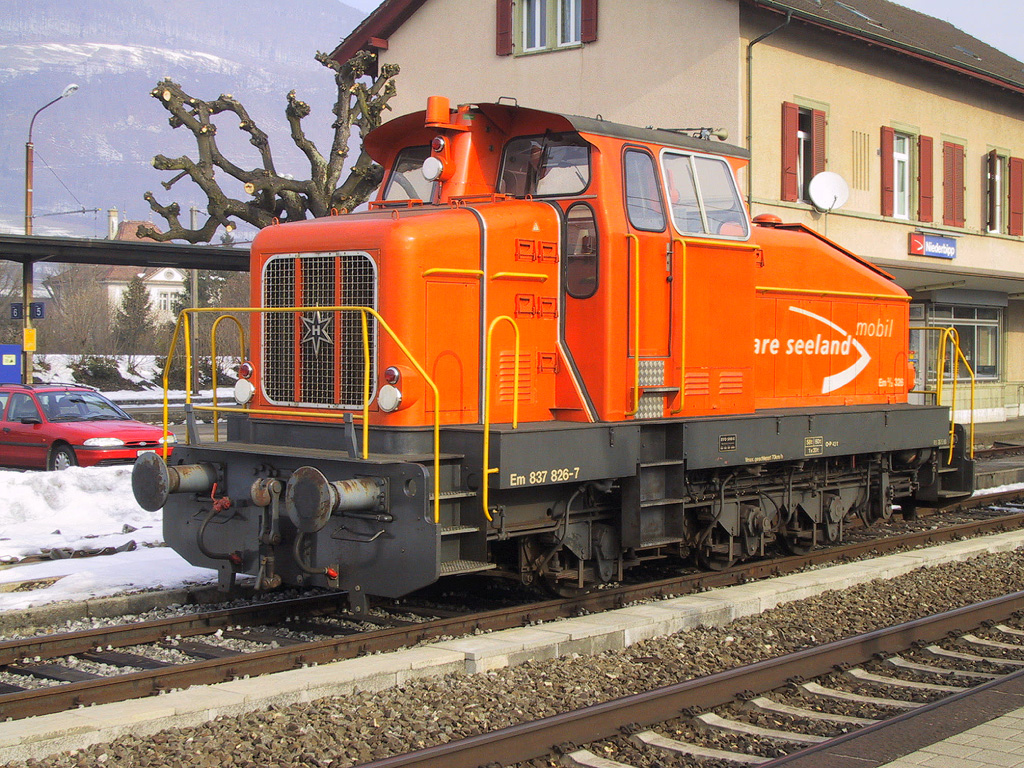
<point x="553" y="348"/>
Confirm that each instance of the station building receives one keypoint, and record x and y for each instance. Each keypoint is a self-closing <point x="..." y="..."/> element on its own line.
<point x="923" y="123"/>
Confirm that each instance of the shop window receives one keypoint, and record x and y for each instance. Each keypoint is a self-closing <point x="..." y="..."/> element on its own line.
<point x="580" y="251"/>
<point x="644" y="204"/>
<point x="529" y="26"/>
<point x="978" y="330"/>
<point x="803" y="150"/>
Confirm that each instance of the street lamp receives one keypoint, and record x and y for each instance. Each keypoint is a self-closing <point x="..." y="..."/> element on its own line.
<point x="27" y="286"/>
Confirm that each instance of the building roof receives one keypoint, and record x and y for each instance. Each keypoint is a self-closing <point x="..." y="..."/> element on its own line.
<point x="909" y="32"/>
<point x="879" y="22"/>
<point x="129" y="230"/>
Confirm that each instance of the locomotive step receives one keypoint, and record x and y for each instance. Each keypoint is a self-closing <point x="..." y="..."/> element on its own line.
<point x="448" y="495"/>
<point x="455" y="567"/>
<point x="458" y="530"/>
<point x="660" y="502"/>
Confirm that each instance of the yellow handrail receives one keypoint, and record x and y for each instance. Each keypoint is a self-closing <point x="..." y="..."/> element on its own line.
<point x="951" y="337"/>
<point x="681" y="324"/>
<point x="519" y="276"/>
<point x="636" y="323"/>
<point x="452" y="272"/>
<point x="214" y="366"/>
<point x="827" y="292"/>
<point x="184" y="320"/>
<point x="488" y="469"/>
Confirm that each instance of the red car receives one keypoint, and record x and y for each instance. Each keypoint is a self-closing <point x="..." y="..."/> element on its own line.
<point x="56" y="426"/>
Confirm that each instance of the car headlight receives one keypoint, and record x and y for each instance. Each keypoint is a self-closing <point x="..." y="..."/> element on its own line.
<point x="103" y="442"/>
<point x="168" y="439"/>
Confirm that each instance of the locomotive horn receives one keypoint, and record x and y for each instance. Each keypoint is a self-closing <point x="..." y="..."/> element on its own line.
<point x="153" y="480"/>
<point x="310" y="498"/>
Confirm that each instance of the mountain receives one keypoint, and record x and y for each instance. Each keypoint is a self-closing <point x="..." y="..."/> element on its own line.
<point x="94" y="149"/>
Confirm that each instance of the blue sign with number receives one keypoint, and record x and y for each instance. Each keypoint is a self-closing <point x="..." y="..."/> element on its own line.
<point x="17" y="310"/>
<point x="36" y="310"/>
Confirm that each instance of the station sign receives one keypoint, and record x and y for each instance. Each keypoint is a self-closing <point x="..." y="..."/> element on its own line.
<point x="939" y="247"/>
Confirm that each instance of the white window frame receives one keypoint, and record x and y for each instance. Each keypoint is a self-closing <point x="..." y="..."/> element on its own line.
<point x="573" y="11"/>
<point x="997" y="187"/>
<point x="535" y="11"/>
<point x="901" y="175"/>
<point x="803" y="141"/>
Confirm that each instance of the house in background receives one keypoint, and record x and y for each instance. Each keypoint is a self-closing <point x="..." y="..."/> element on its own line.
<point x="923" y="123"/>
<point x="161" y="282"/>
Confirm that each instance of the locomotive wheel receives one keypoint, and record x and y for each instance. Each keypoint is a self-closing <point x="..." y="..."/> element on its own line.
<point x="714" y="561"/>
<point x="564" y="588"/>
<point x="796" y="541"/>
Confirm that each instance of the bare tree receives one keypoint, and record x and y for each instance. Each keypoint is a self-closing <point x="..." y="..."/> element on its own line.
<point x="82" y="317"/>
<point x="359" y="106"/>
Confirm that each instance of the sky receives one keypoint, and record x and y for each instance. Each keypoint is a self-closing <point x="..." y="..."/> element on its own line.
<point x="996" y="22"/>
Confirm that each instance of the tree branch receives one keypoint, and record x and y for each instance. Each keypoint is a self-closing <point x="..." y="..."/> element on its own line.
<point x="359" y="105"/>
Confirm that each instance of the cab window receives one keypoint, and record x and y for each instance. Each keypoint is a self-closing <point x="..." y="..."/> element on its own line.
<point x="703" y="196"/>
<point x="580" y="251"/>
<point x="406" y="181"/>
<point x="643" y="197"/>
<point x="545" y="166"/>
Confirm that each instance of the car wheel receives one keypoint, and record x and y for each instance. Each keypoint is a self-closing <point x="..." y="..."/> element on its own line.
<point x="62" y="457"/>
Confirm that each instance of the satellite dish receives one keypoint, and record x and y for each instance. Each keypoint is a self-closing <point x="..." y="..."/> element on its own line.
<point x="828" y="191"/>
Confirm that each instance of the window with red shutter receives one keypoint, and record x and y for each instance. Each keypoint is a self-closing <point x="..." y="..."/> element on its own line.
<point x="790" y="150"/>
<point x="589" y="21"/>
<point x="803" y="150"/>
<point x="925" y="179"/>
<point x="952" y="184"/>
<point x="888" y="139"/>
<point x="817" y="144"/>
<point x="503" y="42"/>
<point x="1016" y="223"/>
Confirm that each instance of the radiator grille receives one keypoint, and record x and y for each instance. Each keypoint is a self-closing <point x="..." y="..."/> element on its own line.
<point x="316" y="358"/>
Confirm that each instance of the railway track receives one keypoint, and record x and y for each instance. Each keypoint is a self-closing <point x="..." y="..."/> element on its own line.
<point x="55" y="672"/>
<point x="763" y="713"/>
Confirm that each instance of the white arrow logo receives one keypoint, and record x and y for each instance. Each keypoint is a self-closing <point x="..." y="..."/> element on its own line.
<point x="841" y="379"/>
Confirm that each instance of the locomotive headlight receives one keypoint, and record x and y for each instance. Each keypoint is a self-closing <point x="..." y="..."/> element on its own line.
<point x="246" y="370"/>
<point x="392" y="375"/>
<point x="432" y="168"/>
<point x="244" y="390"/>
<point x="389" y="398"/>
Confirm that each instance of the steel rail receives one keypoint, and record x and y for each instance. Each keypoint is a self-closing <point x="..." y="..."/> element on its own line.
<point x="138" y="684"/>
<point x="527" y="741"/>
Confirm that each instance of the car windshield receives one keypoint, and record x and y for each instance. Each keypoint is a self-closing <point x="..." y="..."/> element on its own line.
<point x="79" y="406"/>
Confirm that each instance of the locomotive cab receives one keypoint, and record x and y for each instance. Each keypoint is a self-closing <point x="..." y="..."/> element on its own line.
<point x="553" y="347"/>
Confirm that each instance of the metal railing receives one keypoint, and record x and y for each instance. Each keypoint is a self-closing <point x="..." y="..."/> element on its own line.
<point x="183" y="328"/>
<point x="488" y="469"/>
<point x="949" y="339"/>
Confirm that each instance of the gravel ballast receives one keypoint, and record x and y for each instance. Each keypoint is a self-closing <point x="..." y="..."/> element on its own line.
<point x="345" y="731"/>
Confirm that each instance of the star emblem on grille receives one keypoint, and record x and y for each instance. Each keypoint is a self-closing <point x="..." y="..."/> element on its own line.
<point x="316" y="330"/>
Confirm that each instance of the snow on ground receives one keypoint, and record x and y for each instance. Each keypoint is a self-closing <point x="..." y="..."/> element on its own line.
<point x="83" y="508"/>
<point x="143" y="370"/>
